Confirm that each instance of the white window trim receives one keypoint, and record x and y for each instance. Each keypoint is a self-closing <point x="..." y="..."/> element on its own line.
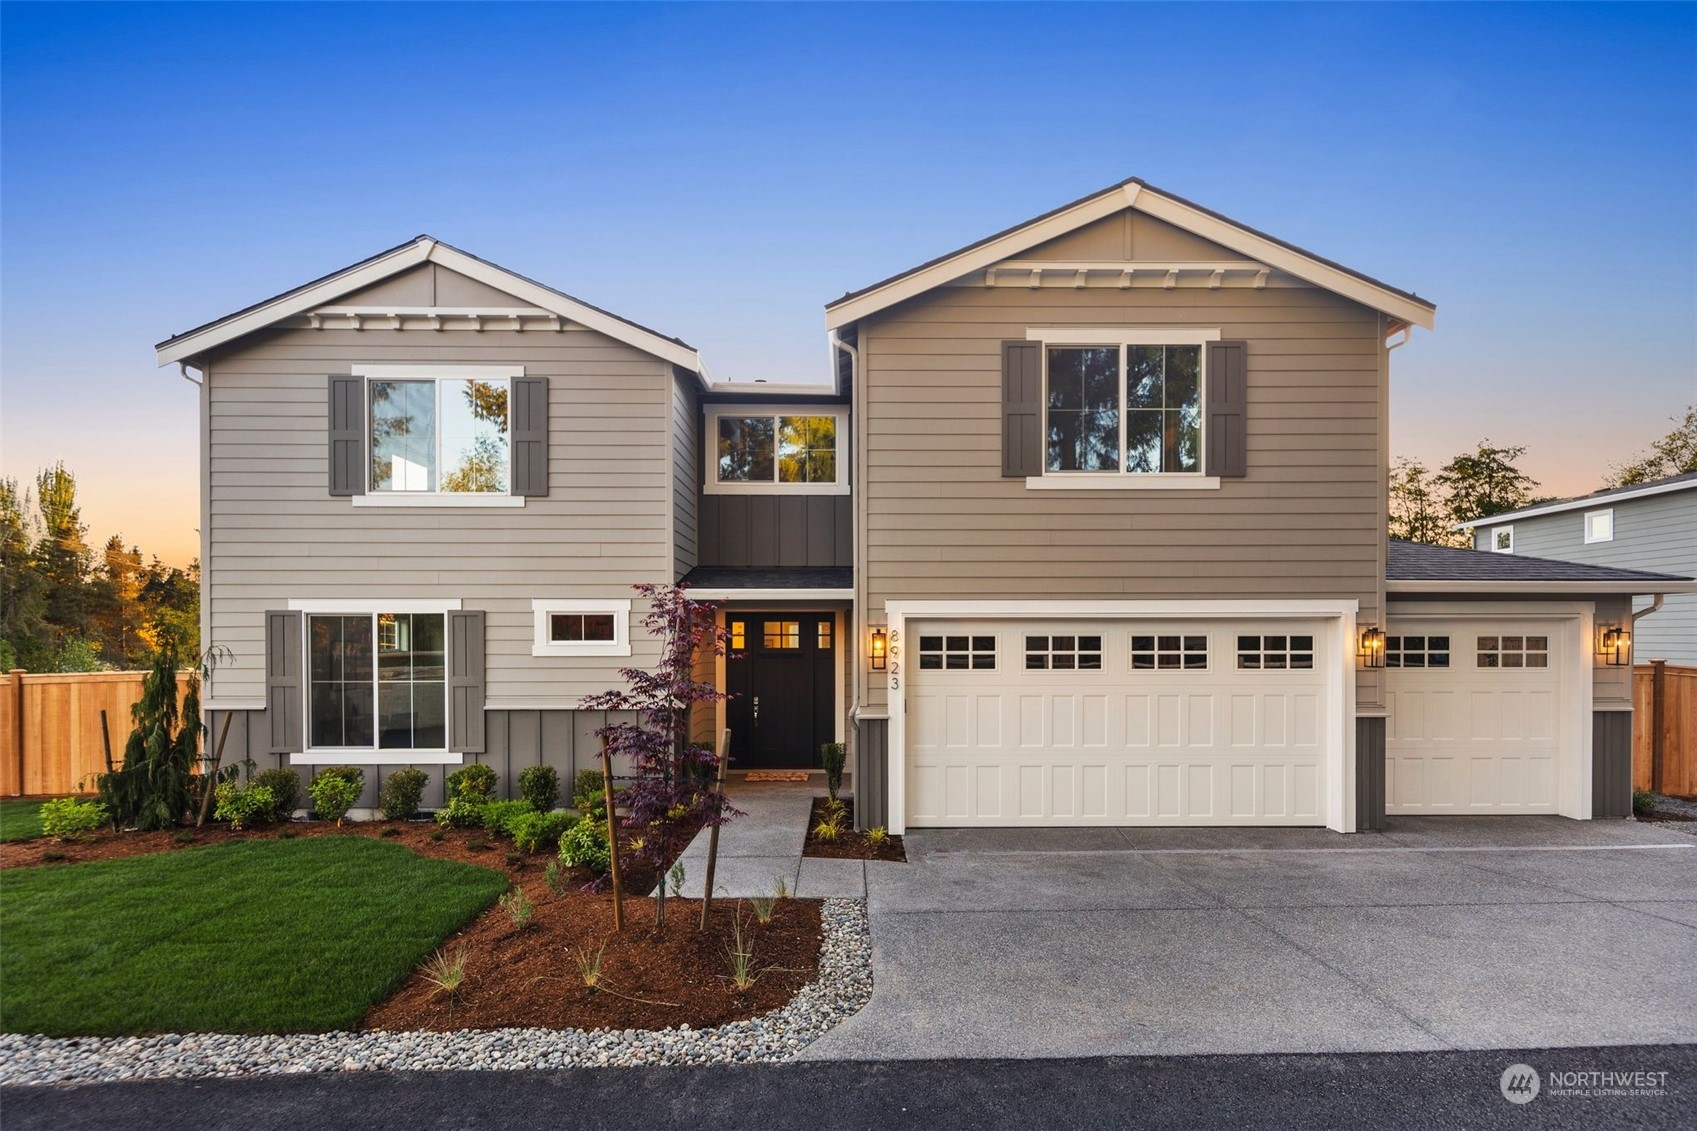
<point x="710" y="450"/>
<point x="540" y="645"/>
<point x="1496" y="530"/>
<point x="1121" y="336"/>
<point x="1589" y="515"/>
<point x="365" y="755"/>
<point x="370" y="373"/>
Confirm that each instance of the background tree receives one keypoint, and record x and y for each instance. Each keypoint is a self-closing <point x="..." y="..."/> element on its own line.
<point x="23" y="591"/>
<point x="1673" y="454"/>
<point x="61" y="554"/>
<point x="1418" y="510"/>
<point x="1484" y="482"/>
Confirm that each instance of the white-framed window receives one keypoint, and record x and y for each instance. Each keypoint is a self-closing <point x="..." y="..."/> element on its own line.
<point x="1063" y="653"/>
<point x="1275" y="652"/>
<point x="793" y="449"/>
<point x="1168" y="652"/>
<point x="580" y="627"/>
<point x="1512" y="652"/>
<point x="1600" y="526"/>
<point x="957" y="653"/>
<point x="376" y="682"/>
<point x="439" y="435"/>
<point x="1417" y="651"/>
<point x="1502" y="539"/>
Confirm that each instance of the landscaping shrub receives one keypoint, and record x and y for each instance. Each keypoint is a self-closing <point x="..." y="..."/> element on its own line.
<point x="69" y="818"/>
<point x="539" y="785"/>
<point x="584" y="845"/>
<point x="401" y="793"/>
<point x="833" y="755"/>
<point x="1643" y="803"/>
<point x="461" y="813"/>
<point x="474" y="781"/>
<point x="531" y="831"/>
<point x="335" y="789"/>
<point x="154" y="788"/>
<point x="588" y="784"/>
<point x="498" y="816"/>
<point x="243" y="807"/>
<point x="285" y="787"/>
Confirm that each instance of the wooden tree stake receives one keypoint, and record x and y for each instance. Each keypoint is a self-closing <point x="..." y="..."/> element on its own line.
<point x="212" y="774"/>
<point x="612" y="838"/>
<point x="713" y="833"/>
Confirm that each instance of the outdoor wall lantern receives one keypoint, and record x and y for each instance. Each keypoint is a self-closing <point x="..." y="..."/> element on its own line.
<point x="1372" y="648"/>
<point x="1614" y="645"/>
<point x="880" y="650"/>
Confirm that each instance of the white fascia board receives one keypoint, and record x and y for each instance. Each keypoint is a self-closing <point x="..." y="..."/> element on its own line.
<point x="777" y="595"/>
<point x="1185" y="609"/>
<point x="773" y="389"/>
<point x="583" y="315"/>
<point x="977" y="258"/>
<point x="1588" y="588"/>
<point x="1304" y="267"/>
<point x="183" y="348"/>
<point x="1589" y="502"/>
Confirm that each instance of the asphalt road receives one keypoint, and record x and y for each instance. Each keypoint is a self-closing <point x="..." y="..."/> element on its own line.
<point x="1366" y="1090"/>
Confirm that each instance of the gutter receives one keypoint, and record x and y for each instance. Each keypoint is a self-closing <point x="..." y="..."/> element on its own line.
<point x="1552" y="588"/>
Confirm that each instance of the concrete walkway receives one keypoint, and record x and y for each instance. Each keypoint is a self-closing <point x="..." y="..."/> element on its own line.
<point x="765" y="844"/>
<point x="1444" y="933"/>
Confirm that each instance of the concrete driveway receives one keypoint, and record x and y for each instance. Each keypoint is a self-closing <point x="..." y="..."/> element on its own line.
<point x="1463" y="933"/>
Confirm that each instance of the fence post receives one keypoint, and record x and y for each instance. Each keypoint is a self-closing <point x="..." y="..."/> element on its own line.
<point x="1658" y="722"/>
<point x="17" y="675"/>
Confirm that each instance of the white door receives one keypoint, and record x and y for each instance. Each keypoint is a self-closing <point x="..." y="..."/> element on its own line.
<point x="1116" y="722"/>
<point x="1475" y="714"/>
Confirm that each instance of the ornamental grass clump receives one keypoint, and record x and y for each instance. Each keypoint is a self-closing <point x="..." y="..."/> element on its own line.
<point x="740" y="953"/>
<point x="445" y="970"/>
<point x="833" y="756"/>
<point x="518" y="908"/>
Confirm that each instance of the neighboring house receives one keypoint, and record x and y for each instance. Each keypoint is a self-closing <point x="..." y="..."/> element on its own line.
<point x="1085" y="530"/>
<point x="1646" y="526"/>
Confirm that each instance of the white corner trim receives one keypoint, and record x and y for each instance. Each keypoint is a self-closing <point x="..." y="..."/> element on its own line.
<point x="774" y="595"/>
<point x="373" y="605"/>
<point x="1120" y="481"/>
<point x="376" y="758"/>
<point x="1122" y="335"/>
<point x="619" y="607"/>
<point x="436" y="499"/>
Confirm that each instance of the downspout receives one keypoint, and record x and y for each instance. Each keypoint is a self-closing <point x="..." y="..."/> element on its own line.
<point x="859" y="668"/>
<point x="1654" y="606"/>
<point x="183" y="370"/>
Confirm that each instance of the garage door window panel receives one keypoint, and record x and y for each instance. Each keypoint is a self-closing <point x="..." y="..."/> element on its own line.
<point x="1063" y="653"/>
<point x="1513" y="652"/>
<point x="1417" y="651"/>
<point x="957" y="653"/>
<point x="1275" y="653"/>
<point x="1169" y="652"/>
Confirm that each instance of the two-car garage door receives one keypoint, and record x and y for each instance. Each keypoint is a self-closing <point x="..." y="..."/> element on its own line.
<point x="1117" y="722"/>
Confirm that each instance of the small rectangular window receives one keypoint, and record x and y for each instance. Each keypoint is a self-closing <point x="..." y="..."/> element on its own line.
<point x="1275" y="653"/>
<point x="1417" y="651"/>
<point x="957" y="653"/>
<point x="580" y="628"/>
<point x="575" y="627"/>
<point x="1512" y="652"/>
<point x="781" y="635"/>
<point x="824" y="637"/>
<point x="1502" y="540"/>
<point x="1168" y="652"/>
<point x="1063" y="653"/>
<point x="1600" y="526"/>
<point x="739" y="635"/>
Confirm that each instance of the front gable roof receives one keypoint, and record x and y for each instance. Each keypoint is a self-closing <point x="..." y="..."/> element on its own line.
<point x="1403" y="306"/>
<point x="424" y="249"/>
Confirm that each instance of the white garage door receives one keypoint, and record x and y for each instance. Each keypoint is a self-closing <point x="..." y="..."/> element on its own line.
<point x="1475" y="710"/>
<point x="1116" y="723"/>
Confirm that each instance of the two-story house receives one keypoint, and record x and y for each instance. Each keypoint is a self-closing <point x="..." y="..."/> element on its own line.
<point x="1645" y="526"/>
<point x="1086" y="529"/>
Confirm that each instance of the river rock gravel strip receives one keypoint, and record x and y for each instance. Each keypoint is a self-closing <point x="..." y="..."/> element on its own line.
<point x="842" y="986"/>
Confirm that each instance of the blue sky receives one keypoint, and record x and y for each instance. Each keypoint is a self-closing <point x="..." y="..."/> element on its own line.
<point x="719" y="173"/>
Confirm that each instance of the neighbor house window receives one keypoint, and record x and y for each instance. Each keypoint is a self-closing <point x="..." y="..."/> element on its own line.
<point x="1502" y="540"/>
<point x="1513" y="652"/>
<point x="1168" y="653"/>
<point x="1275" y="652"/>
<point x="1063" y="653"/>
<point x="445" y="435"/>
<point x="580" y="628"/>
<point x="1135" y="409"/>
<point x="957" y="653"/>
<point x="755" y="450"/>
<point x="1417" y="651"/>
<point x="1600" y="526"/>
<point x="377" y="682"/>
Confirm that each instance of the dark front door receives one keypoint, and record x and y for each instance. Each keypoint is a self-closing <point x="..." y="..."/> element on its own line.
<point x="781" y="675"/>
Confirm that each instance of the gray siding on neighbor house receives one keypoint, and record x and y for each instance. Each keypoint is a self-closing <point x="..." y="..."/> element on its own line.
<point x="1654" y="532"/>
<point x="777" y="531"/>
<point x="1306" y="521"/>
<point x="686" y="473"/>
<point x="275" y="532"/>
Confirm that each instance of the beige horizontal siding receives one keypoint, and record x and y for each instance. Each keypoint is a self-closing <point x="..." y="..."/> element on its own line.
<point x="276" y="534"/>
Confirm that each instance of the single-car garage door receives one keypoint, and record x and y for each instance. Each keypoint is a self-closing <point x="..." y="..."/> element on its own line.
<point x="1116" y="723"/>
<point x="1475" y="715"/>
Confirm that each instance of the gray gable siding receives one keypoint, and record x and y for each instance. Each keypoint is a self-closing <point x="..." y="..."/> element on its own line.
<point x="1655" y="532"/>
<point x="275" y="533"/>
<point x="686" y="474"/>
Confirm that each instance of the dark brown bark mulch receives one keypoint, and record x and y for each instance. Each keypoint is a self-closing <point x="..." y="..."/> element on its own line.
<point x="849" y="845"/>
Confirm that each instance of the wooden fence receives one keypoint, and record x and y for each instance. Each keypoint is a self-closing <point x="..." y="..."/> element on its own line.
<point x="1664" y="728"/>
<point x="50" y="728"/>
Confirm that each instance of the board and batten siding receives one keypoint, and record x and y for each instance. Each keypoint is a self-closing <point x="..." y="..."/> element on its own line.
<point x="941" y="521"/>
<point x="275" y="533"/>
<point x="1655" y="532"/>
<point x="686" y="473"/>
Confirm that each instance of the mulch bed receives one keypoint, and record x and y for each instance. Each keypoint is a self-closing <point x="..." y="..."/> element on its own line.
<point x="849" y="845"/>
<point x="650" y="979"/>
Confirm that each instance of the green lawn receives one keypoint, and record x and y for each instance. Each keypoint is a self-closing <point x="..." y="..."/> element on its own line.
<point x="19" y="819"/>
<point x="249" y="937"/>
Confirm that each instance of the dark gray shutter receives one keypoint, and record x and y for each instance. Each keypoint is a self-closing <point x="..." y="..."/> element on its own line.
<point x="347" y="436"/>
<point x="1022" y="408"/>
<point x="1228" y="409"/>
<point x="465" y="682"/>
<point x="530" y="436"/>
<point x="284" y="675"/>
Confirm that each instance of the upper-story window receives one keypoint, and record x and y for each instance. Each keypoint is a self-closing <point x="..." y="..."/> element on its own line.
<point x="1600" y="526"/>
<point x="440" y="435"/>
<point x="761" y="450"/>
<point x="1502" y="539"/>
<point x="1129" y="408"/>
